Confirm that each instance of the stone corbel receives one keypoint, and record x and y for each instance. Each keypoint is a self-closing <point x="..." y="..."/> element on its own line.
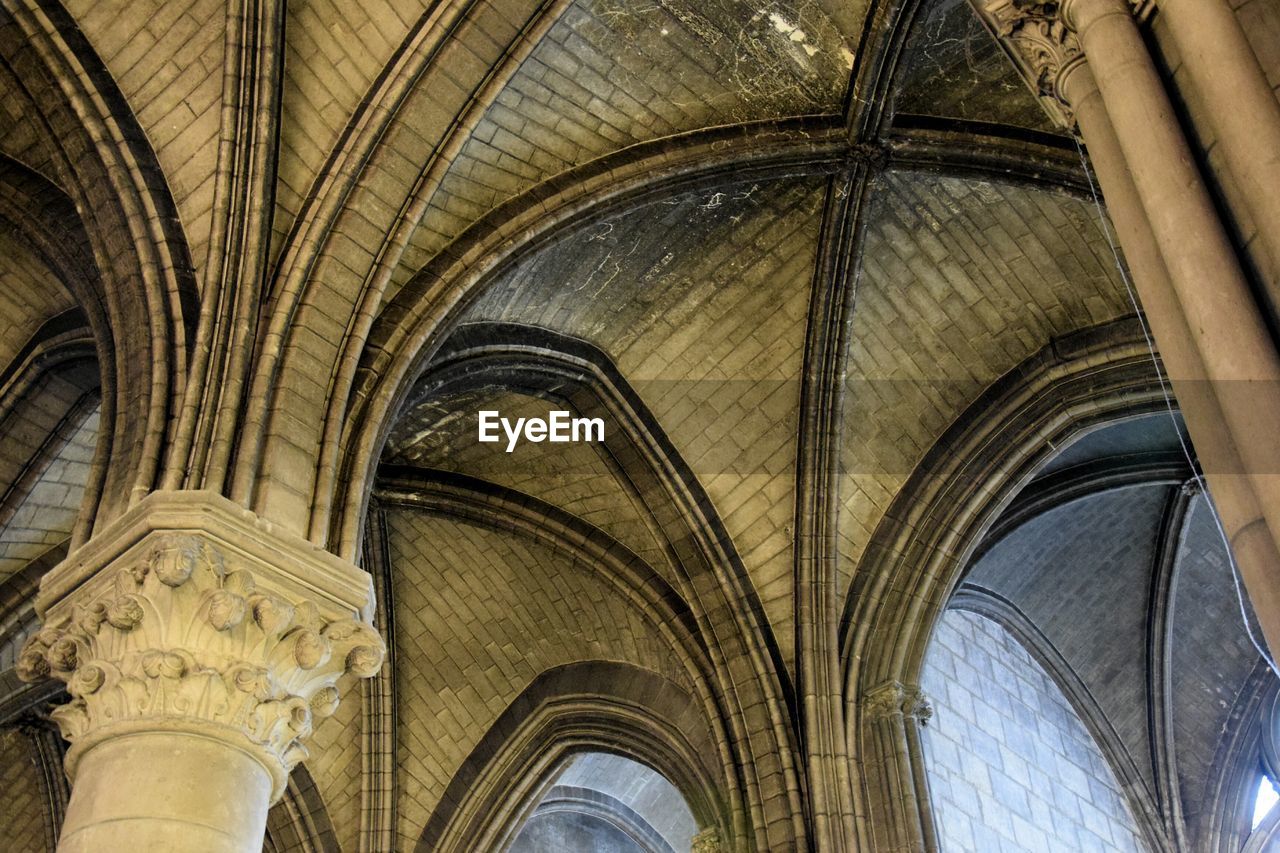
<point x="1039" y="41"/>
<point x="893" y="699"/>
<point x="707" y="841"/>
<point x="191" y="614"/>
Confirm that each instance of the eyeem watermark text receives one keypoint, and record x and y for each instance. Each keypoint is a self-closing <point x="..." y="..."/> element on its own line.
<point x="558" y="427"/>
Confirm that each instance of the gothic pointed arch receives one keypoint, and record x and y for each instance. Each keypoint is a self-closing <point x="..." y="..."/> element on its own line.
<point x="392" y="341"/>
<point x="72" y="342"/>
<point x="920" y="549"/>
<point x="589" y="706"/>
<point x="709" y="574"/>
<point x="109" y="172"/>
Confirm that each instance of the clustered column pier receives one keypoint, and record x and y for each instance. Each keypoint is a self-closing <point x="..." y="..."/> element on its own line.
<point x="1088" y="63"/>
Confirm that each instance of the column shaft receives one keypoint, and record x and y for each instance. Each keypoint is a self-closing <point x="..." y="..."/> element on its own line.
<point x="1237" y="352"/>
<point x="1257" y="555"/>
<point x="167" y="791"/>
<point x="1242" y="110"/>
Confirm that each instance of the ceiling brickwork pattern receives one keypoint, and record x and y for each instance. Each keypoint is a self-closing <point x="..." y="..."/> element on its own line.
<point x="22" y="807"/>
<point x="958" y="71"/>
<point x="333" y="53"/>
<point x="167" y="58"/>
<point x="1073" y="572"/>
<point x="19" y="138"/>
<point x="612" y="73"/>
<point x="1212" y="659"/>
<point x="960" y="281"/>
<point x="29" y="295"/>
<point x="336" y="766"/>
<point x="480" y="615"/>
<point x="1047" y="784"/>
<point x="577" y="478"/>
<point x="48" y="513"/>
<point x="402" y="127"/>
<point x="701" y="302"/>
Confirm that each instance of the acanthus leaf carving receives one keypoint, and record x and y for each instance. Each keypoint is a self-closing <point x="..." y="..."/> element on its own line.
<point x="1038" y="37"/>
<point x="177" y="635"/>
<point x="1041" y="45"/>
<point x="893" y="698"/>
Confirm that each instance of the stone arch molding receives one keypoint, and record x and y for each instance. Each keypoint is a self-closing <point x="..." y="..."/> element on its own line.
<point x="300" y="821"/>
<point x="126" y="258"/>
<point x="42" y="217"/>
<point x="920" y="550"/>
<point x="716" y="598"/>
<point x="409" y="333"/>
<point x="624" y="710"/>
<point x="1250" y="747"/>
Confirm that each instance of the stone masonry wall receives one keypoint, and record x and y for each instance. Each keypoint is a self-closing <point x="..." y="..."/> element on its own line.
<point x="1010" y="765"/>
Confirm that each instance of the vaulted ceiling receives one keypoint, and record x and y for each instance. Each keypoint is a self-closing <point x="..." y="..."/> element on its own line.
<point x="1111" y="568"/>
<point x="785" y="246"/>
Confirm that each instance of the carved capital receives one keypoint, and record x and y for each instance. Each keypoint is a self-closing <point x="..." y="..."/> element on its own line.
<point x="893" y="699"/>
<point x="1040" y="45"/>
<point x="193" y="629"/>
<point x="707" y="841"/>
<point x="1040" y="40"/>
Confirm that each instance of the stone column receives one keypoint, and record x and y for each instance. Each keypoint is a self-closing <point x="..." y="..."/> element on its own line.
<point x="1239" y="356"/>
<point x="1088" y="55"/>
<point x="198" y="645"/>
<point x="1251" y="539"/>
<point x="892" y="714"/>
<point x="1242" y="110"/>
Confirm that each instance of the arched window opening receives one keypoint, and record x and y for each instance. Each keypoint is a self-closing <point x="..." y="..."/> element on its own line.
<point x="1010" y="764"/>
<point x="600" y="801"/>
<point x="1265" y="798"/>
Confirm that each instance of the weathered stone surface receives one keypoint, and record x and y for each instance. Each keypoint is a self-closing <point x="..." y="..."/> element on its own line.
<point x="1011" y="765"/>
<point x="255" y="221"/>
<point x="185" y="625"/>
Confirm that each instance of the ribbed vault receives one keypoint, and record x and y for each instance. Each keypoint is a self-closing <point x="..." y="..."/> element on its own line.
<point x="1110" y="571"/>
<point x="837" y="287"/>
